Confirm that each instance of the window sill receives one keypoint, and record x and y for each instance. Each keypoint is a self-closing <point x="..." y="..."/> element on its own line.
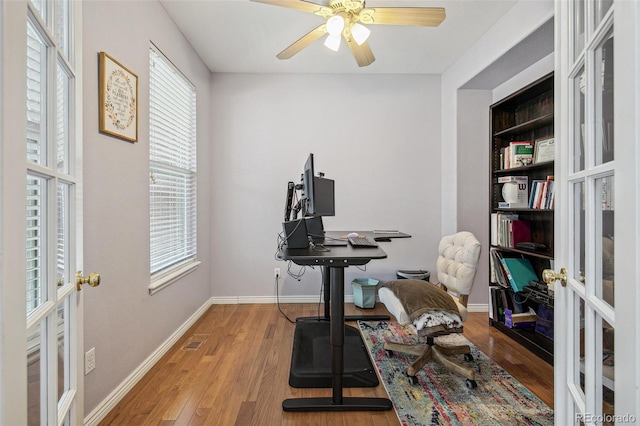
<point x="165" y="280"/>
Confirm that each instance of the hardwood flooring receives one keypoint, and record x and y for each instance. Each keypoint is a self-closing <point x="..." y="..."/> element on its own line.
<point x="232" y="368"/>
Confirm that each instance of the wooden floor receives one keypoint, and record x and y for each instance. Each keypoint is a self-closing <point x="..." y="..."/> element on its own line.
<point x="232" y="368"/>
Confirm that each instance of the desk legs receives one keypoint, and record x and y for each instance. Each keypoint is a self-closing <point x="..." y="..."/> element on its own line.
<point x="337" y="402"/>
<point x="326" y="280"/>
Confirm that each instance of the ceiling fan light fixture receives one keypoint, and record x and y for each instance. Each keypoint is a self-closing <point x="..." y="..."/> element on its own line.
<point x="333" y="42"/>
<point x="335" y="25"/>
<point x="360" y="33"/>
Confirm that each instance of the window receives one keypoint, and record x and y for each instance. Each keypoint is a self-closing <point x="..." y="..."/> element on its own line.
<point x="172" y="171"/>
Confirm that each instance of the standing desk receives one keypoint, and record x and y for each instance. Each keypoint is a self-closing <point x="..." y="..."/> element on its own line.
<point x="326" y="279"/>
<point x="336" y="260"/>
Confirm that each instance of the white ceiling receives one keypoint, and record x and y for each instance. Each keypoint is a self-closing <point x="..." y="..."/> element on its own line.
<point x="240" y="36"/>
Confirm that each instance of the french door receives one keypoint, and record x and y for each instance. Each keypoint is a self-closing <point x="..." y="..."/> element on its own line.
<point x="597" y="232"/>
<point x="40" y="347"/>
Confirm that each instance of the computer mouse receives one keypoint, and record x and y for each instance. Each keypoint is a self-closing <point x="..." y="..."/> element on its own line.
<point x="352" y="235"/>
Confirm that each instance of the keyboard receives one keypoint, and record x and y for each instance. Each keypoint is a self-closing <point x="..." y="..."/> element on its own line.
<point x="361" y="242"/>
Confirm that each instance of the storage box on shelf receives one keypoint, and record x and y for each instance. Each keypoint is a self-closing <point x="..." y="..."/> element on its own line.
<point x="522" y="150"/>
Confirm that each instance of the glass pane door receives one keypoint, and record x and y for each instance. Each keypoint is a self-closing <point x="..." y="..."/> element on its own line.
<point x="51" y="182"/>
<point x="587" y="214"/>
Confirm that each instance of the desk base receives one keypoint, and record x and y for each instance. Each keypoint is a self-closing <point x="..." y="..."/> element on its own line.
<point x="327" y="404"/>
<point x="311" y="358"/>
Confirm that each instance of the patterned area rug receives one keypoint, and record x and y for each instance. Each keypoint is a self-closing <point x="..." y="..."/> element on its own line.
<point x="441" y="397"/>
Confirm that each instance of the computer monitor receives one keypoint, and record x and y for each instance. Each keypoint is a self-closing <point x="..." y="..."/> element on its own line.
<point x="318" y="192"/>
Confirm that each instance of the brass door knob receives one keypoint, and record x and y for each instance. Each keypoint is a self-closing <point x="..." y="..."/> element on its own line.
<point x="549" y="276"/>
<point x="93" y="279"/>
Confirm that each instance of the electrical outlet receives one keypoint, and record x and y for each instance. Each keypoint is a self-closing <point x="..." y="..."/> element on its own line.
<point x="89" y="361"/>
<point x="276" y="272"/>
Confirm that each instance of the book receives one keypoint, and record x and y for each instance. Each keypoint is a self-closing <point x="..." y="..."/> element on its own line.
<point x="544" y="204"/>
<point x="494" y="229"/>
<point x="521" y="155"/>
<point x="498" y="310"/>
<point x="509" y="156"/>
<point x="538" y="195"/>
<point x="534" y="188"/>
<point x="519" y="272"/>
<point x="520" y="232"/>
<point x="500" y="275"/>
<point x="551" y="200"/>
<point x="520" y="320"/>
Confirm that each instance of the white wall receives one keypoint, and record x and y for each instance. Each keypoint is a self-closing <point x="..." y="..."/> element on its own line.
<point x="122" y="321"/>
<point x="378" y="136"/>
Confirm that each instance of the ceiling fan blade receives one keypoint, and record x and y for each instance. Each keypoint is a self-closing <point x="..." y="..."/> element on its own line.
<point x="302" y="5"/>
<point x="420" y="16"/>
<point x="303" y="42"/>
<point x="362" y="53"/>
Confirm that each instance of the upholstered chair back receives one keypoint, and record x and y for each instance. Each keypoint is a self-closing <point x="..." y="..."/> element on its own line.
<point x="457" y="263"/>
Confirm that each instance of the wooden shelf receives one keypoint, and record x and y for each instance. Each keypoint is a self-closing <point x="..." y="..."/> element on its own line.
<point x="524" y="169"/>
<point x="524" y="252"/>
<point x="527" y="337"/>
<point x="526" y="115"/>
<point x="526" y="126"/>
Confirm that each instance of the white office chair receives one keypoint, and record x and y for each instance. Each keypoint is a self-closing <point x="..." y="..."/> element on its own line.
<point x="436" y="310"/>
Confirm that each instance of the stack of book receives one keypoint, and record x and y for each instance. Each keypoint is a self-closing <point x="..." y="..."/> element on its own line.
<point x="520" y="320"/>
<point x="511" y="272"/>
<point x="542" y="194"/>
<point x="507" y="230"/>
<point x="516" y="154"/>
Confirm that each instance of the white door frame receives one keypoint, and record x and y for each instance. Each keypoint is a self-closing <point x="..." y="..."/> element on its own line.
<point x="627" y="245"/>
<point x="626" y="17"/>
<point x="12" y="252"/>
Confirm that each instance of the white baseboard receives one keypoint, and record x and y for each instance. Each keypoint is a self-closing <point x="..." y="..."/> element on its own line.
<point x="478" y="307"/>
<point x="101" y="411"/>
<point x="240" y="300"/>
<point x="348" y="298"/>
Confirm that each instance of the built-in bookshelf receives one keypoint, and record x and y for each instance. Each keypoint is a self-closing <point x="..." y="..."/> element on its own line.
<point x="522" y="199"/>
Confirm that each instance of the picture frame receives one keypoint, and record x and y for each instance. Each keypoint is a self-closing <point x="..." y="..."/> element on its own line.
<point x="544" y="150"/>
<point x="118" y="99"/>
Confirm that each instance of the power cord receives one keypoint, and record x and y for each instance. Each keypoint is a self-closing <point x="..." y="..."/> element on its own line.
<point x="277" y="278"/>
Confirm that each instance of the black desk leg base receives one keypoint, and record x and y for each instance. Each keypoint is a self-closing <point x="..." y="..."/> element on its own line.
<point x="347" y="318"/>
<point x="366" y="318"/>
<point x="327" y="404"/>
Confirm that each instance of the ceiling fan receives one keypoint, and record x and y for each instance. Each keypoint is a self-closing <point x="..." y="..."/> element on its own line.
<point x="345" y="19"/>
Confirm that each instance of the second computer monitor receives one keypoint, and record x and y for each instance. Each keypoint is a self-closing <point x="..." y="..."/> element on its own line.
<point x="319" y="192"/>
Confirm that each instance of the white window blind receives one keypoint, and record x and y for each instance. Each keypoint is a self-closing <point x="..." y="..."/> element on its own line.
<point x="172" y="160"/>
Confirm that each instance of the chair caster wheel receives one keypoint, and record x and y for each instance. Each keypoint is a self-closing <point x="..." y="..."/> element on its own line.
<point x="468" y="357"/>
<point x="413" y="380"/>
<point x="471" y="384"/>
<point x="388" y="352"/>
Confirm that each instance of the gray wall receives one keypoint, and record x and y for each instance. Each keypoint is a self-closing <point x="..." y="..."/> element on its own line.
<point x="472" y="189"/>
<point x="122" y="321"/>
<point x="376" y="135"/>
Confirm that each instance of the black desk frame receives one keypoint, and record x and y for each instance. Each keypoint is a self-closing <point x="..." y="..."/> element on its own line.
<point x="326" y="285"/>
<point x="335" y="266"/>
<point x="326" y="281"/>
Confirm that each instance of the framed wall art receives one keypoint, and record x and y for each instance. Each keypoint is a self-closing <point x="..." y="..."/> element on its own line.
<point x="118" y="99"/>
<point x="544" y="150"/>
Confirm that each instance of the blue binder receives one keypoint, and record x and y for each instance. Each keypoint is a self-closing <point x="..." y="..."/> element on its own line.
<point x="519" y="272"/>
